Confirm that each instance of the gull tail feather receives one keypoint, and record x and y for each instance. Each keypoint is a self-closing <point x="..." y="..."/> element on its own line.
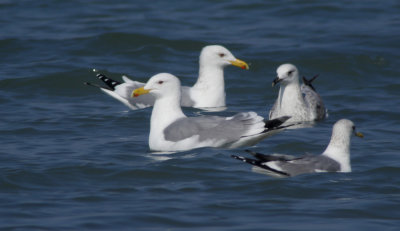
<point x="275" y="123"/>
<point x="109" y="82"/>
<point x="308" y="82"/>
<point x="259" y="164"/>
<point x="96" y="85"/>
<point x="265" y="157"/>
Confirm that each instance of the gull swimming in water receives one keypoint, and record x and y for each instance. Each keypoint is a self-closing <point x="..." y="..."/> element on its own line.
<point x="207" y="92"/>
<point x="302" y="104"/>
<point x="171" y="130"/>
<point x="335" y="158"/>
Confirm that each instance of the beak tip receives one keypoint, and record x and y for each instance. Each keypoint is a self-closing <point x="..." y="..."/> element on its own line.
<point x="240" y="63"/>
<point x="139" y="91"/>
<point x="276" y="81"/>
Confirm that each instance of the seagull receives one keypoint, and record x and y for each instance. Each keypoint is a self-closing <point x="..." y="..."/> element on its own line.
<point x="207" y="92"/>
<point x="172" y="130"/>
<point x="335" y="158"/>
<point x="301" y="103"/>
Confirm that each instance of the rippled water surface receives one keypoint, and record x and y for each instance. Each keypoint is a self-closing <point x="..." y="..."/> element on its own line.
<point x="72" y="158"/>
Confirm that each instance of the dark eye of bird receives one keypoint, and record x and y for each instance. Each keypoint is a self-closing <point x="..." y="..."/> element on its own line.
<point x="221" y="55"/>
<point x="290" y="72"/>
<point x="160" y="82"/>
<point x="354" y="128"/>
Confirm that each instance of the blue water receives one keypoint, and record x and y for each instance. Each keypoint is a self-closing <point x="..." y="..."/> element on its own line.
<point x="72" y="158"/>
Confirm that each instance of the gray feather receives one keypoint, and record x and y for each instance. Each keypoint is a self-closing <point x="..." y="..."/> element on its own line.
<point x="291" y="165"/>
<point x="309" y="164"/>
<point x="209" y="127"/>
<point x="313" y="101"/>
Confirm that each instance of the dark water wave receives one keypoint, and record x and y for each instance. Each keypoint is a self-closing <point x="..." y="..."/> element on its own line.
<point x="137" y="42"/>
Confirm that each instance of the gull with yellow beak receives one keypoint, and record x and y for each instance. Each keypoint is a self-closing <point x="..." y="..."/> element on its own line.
<point x="335" y="158"/>
<point x="208" y="92"/>
<point x="171" y="130"/>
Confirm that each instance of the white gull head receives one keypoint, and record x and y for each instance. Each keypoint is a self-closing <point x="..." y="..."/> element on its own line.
<point x="286" y="74"/>
<point x="163" y="85"/>
<point x="219" y="56"/>
<point x="339" y="145"/>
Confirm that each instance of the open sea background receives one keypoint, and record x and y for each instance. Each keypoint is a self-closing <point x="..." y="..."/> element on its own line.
<point x="72" y="158"/>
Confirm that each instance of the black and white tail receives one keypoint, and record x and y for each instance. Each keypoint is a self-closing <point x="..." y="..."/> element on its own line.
<point x="109" y="82"/>
<point x="259" y="164"/>
<point x="246" y="160"/>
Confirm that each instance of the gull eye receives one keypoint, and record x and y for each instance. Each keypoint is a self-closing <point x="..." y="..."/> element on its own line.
<point x="354" y="128"/>
<point x="290" y="72"/>
<point x="221" y="55"/>
<point x="160" y="82"/>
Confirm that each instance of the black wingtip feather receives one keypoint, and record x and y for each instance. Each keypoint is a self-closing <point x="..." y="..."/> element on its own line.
<point x="238" y="158"/>
<point x="246" y="160"/>
<point x="275" y="123"/>
<point x="266" y="157"/>
<point x="94" y="85"/>
<point x="308" y="82"/>
<point x="259" y="164"/>
<point x="109" y="82"/>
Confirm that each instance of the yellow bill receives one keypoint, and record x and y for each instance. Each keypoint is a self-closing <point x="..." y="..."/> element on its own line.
<point x="359" y="134"/>
<point x="139" y="91"/>
<point x="240" y="63"/>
